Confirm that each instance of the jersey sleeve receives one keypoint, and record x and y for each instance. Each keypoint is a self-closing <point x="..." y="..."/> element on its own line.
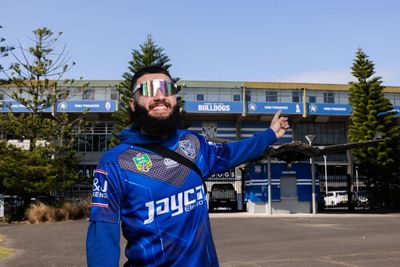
<point x="103" y="235"/>
<point x="107" y="194"/>
<point x="223" y="156"/>
<point x="102" y="244"/>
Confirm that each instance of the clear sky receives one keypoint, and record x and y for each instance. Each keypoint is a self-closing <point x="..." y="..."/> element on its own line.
<point x="218" y="40"/>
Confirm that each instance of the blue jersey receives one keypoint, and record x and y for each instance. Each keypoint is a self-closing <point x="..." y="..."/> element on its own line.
<point x="160" y="204"/>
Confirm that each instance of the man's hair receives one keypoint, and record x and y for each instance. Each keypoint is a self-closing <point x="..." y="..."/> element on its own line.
<point x="148" y="70"/>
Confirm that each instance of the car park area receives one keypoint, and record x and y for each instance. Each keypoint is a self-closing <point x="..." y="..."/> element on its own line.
<point x="241" y="239"/>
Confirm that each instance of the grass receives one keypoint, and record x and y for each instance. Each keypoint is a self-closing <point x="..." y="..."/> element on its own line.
<point x="4" y="251"/>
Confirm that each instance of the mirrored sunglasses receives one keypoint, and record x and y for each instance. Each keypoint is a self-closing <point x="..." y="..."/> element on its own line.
<point x="149" y="88"/>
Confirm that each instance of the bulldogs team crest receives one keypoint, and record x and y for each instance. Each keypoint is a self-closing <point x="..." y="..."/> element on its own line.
<point x="257" y="169"/>
<point x="209" y="130"/>
<point x="143" y="162"/>
<point x="187" y="148"/>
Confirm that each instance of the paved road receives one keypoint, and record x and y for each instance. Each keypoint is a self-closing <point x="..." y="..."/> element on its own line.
<point x="241" y="240"/>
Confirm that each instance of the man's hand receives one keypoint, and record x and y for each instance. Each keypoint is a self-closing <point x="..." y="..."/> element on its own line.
<point x="279" y="124"/>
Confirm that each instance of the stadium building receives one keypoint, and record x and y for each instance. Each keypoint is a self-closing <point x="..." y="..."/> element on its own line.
<point x="229" y="111"/>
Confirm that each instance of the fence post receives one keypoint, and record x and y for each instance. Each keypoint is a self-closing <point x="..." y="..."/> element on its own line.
<point x="350" y="203"/>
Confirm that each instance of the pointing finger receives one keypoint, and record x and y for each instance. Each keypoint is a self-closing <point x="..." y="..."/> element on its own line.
<point x="277" y="114"/>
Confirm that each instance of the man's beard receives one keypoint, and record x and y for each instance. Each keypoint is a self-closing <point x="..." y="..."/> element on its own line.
<point x="156" y="126"/>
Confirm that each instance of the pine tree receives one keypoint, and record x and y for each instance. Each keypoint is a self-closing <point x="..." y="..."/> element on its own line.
<point x="35" y="82"/>
<point x="373" y="115"/>
<point x="4" y="49"/>
<point x="149" y="54"/>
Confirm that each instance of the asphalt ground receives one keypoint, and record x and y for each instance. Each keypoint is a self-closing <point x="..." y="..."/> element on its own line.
<point x="241" y="240"/>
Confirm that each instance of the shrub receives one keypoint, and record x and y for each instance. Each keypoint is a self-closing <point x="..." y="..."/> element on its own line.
<point x="75" y="211"/>
<point x="40" y="212"/>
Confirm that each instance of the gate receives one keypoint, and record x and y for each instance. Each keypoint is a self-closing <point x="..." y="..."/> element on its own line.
<point x="225" y="191"/>
<point x="343" y="194"/>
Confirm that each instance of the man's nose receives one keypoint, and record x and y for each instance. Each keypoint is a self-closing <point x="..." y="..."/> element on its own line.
<point x="159" y="95"/>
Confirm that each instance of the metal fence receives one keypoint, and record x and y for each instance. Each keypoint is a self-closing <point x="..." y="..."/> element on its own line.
<point x="225" y="191"/>
<point x="343" y="194"/>
<point x="80" y="191"/>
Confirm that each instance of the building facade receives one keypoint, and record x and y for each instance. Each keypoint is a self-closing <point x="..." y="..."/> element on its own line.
<point x="230" y="111"/>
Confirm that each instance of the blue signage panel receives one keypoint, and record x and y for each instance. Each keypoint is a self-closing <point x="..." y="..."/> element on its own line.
<point x="65" y="106"/>
<point x="297" y="108"/>
<point x="329" y="109"/>
<point x="15" y="106"/>
<point x="92" y="105"/>
<point x="213" y="107"/>
<point x="272" y="107"/>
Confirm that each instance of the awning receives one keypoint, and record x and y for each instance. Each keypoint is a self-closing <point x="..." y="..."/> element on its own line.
<point x="298" y="151"/>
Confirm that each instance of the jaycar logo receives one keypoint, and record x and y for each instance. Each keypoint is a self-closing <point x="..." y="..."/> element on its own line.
<point x="177" y="204"/>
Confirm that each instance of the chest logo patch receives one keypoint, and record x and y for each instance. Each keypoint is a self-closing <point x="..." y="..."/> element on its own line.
<point x="143" y="162"/>
<point x="187" y="148"/>
<point x="169" y="163"/>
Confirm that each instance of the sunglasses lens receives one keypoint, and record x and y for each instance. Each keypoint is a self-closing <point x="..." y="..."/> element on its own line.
<point x="149" y="88"/>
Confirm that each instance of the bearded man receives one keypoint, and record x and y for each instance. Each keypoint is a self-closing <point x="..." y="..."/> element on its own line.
<point x="160" y="201"/>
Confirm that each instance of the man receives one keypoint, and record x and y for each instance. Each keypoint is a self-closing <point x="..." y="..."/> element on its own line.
<point x="159" y="202"/>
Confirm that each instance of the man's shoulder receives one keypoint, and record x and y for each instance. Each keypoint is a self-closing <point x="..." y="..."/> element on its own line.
<point x="185" y="132"/>
<point x="113" y="153"/>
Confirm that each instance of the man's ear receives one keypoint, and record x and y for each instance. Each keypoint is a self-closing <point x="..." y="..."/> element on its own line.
<point x="132" y="103"/>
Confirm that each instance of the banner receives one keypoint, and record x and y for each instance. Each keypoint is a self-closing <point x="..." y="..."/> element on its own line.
<point x="98" y="106"/>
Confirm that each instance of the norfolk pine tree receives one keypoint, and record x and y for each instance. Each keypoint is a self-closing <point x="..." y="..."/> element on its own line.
<point x="35" y="82"/>
<point x="4" y="50"/>
<point x="373" y="114"/>
<point x="149" y="54"/>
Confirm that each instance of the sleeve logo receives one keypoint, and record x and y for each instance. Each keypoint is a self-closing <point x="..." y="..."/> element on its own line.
<point x="100" y="187"/>
<point x="187" y="148"/>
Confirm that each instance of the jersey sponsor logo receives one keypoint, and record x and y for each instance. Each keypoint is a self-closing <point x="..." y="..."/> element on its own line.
<point x="143" y="162"/>
<point x="176" y="204"/>
<point x="170" y="163"/>
<point x="187" y="148"/>
<point x="100" y="187"/>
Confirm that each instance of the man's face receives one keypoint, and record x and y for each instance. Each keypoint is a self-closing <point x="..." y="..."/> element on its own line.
<point x="158" y="106"/>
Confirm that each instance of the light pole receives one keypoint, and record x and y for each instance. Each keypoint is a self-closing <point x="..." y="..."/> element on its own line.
<point x="357" y="178"/>
<point x="326" y="175"/>
<point x="310" y="138"/>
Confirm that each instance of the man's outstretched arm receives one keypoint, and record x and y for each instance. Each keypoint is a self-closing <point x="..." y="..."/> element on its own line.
<point x="102" y="244"/>
<point x="223" y="156"/>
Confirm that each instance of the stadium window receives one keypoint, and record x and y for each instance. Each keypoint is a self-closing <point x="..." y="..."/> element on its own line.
<point x="271" y="96"/>
<point x="200" y="97"/>
<point x="114" y="94"/>
<point x="312" y="99"/>
<point x="236" y="97"/>
<point x="1" y="97"/>
<point x="248" y="96"/>
<point x="329" y="97"/>
<point x="88" y="94"/>
<point x="296" y="96"/>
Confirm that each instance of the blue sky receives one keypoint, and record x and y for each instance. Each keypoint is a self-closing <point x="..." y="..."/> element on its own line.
<point x="219" y="40"/>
